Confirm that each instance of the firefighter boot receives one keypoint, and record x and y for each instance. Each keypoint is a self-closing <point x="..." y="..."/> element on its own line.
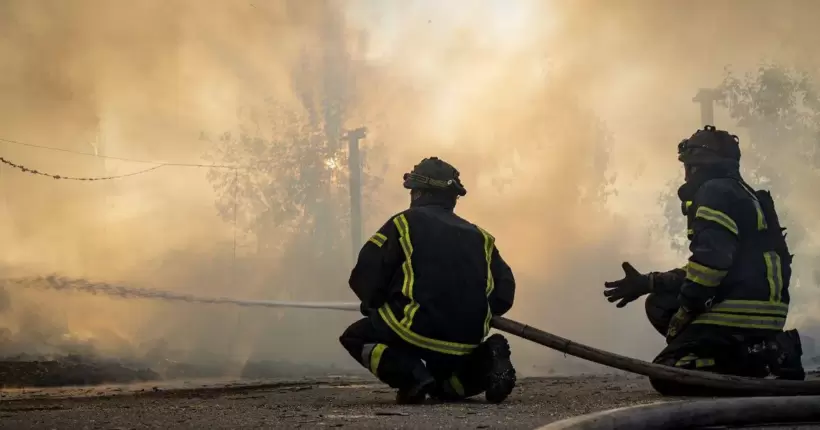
<point x="417" y="392"/>
<point x="500" y="378"/>
<point x="791" y="352"/>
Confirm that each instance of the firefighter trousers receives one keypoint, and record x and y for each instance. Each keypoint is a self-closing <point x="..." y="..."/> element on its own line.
<point x="710" y="348"/>
<point x="402" y="365"/>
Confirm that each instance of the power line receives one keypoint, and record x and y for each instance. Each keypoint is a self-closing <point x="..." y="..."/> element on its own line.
<point x="111" y="157"/>
<point x="72" y="178"/>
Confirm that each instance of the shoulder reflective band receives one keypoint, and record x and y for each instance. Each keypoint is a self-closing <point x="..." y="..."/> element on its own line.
<point x="774" y="275"/>
<point x="378" y="239"/>
<point x="703" y="275"/>
<point x="761" y="219"/>
<point x="407" y="269"/>
<point x="444" y="347"/>
<point x="718" y="217"/>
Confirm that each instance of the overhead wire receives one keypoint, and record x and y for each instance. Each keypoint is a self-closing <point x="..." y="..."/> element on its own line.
<point x="157" y="164"/>
<point x="111" y="157"/>
<point x="29" y="170"/>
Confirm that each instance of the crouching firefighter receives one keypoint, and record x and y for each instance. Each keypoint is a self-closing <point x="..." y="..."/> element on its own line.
<point x="429" y="283"/>
<point x="725" y="311"/>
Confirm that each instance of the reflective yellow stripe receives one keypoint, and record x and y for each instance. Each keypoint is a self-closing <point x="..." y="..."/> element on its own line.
<point x="488" y="319"/>
<point x="456" y="384"/>
<point x="407" y="269"/>
<point x="489" y="244"/>
<point x="699" y="362"/>
<point x="685" y="360"/>
<point x="420" y="341"/>
<point x="690" y="233"/>
<point x="761" y="219"/>
<point x="774" y="274"/>
<point x="378" y="239"/>
<point x="755" y="307"/>
<point x="741" y="321"/>
<point x="688" y="204"/>
<point x="716" y="216"/>
<point x="704" y="362"/>
<point x="703" y="275"/>
<point x="755" y="314"/>
<point x="376" y="358"/>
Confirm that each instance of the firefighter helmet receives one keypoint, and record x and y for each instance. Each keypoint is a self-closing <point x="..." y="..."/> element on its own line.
<point x="434" y="174"/>
<point x="709" y="145"/>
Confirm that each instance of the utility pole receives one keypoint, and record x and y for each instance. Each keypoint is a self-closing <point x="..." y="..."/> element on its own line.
<point x="354" y="166"/>
<point x="707" y="98"/>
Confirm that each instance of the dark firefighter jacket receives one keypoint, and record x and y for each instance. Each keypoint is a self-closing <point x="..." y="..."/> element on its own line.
<point x="434" y="279"/>
<point x="739" y="269"/>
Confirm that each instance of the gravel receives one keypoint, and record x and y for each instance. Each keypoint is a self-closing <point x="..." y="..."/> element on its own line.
<point x="344" y="402"/>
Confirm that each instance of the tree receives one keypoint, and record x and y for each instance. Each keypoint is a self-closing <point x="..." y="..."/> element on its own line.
<point x="290" y="195"/>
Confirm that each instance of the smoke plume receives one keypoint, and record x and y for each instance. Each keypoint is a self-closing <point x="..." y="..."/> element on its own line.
<point x="562" y="117"/>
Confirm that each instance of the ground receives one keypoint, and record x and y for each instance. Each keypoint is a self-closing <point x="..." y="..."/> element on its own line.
<point x="349" y="402"/>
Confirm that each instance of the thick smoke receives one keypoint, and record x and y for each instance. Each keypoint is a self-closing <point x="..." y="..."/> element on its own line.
<point x="140" y="81"/>
<point x="545" y="107"/>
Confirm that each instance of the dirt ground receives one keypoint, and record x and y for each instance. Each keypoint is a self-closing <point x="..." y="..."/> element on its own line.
<point x="349" y="402"/>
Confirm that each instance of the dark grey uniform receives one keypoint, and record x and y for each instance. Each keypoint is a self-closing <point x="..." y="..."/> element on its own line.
<point x="735" y="284"/>
<point x="429" y="282"/>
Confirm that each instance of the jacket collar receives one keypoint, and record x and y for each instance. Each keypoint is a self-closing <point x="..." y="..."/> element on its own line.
<point x="435" y="200"/>
<point x="720" y="170"/>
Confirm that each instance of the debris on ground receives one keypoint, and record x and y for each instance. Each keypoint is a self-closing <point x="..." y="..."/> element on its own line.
<point x="348" y="403"/>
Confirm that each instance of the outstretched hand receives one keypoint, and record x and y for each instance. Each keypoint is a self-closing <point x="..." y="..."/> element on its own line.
<point x="630" y="288"/>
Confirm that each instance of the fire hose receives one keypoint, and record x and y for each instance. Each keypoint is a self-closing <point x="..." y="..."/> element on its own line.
<point x="744" y="385"/>
<point x="732" y="412"/>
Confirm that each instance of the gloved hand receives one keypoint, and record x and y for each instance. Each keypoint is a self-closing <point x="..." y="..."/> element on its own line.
<point x="679" y="321"/>
<point x="628" y="289"/>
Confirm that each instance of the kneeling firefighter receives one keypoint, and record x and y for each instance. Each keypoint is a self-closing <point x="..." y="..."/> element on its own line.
<point x="429" y="282"/>
<point x="724" y="311"/>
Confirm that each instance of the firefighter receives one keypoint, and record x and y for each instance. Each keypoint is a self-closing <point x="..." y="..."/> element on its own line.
<point x="726" y="309"/>
<point x="429" y="282"/>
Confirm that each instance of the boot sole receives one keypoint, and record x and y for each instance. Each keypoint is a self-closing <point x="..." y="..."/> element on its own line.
<point x="501" y="379"/>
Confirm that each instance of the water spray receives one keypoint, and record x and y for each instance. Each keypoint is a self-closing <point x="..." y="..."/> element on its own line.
<point x="61" y="283"/>
<point x="748" y="386"/>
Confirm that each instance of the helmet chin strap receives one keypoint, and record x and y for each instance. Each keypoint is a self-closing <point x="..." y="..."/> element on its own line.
<point x="689" y="170"/>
